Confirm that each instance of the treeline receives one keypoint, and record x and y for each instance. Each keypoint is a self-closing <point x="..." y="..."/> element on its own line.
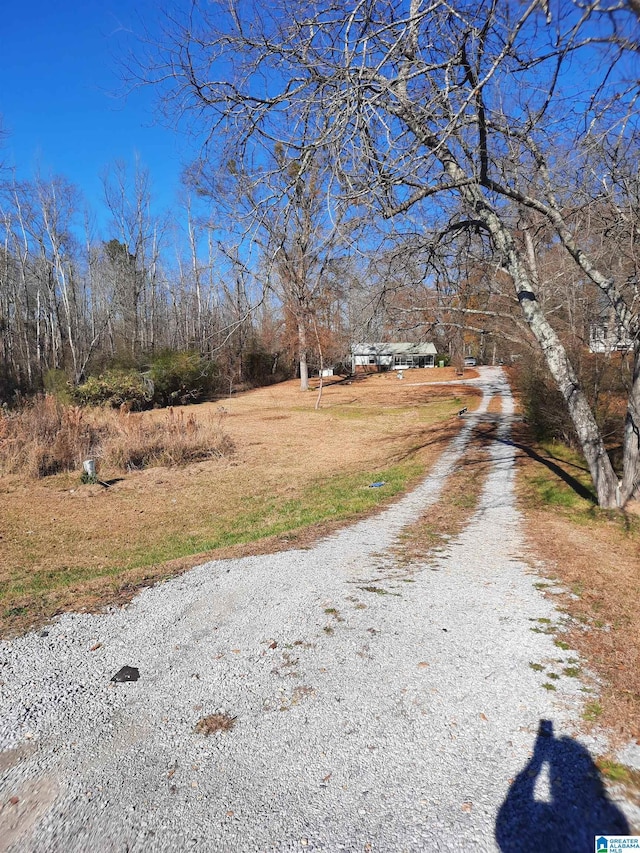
<point x="74" y="305"/>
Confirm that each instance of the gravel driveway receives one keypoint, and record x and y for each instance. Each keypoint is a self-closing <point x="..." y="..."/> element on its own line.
<point x="402" y="717"/>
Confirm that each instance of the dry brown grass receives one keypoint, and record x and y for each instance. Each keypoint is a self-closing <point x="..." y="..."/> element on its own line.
<point x="47" y="438"/>
<point x="596" y="556"/>
<point x="138" y="441"/>
<point x="214" y="723"/>
<point x="70" y="546"/>
<point x="495" y="404"/>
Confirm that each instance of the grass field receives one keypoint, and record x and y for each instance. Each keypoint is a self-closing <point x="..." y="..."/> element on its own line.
<point x="290" y="474"/>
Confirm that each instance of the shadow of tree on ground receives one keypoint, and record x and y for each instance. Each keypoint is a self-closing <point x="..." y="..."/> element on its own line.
<point x="578" y="487"/>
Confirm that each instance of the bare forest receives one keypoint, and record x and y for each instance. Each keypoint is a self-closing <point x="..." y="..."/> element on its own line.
<point x="76" y="304"/>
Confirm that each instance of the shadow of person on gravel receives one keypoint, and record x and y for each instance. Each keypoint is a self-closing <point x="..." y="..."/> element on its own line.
<point x="565" y="814"/>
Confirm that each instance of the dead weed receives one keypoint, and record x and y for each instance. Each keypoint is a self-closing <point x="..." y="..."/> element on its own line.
<point x="213" y="723"/>
<point x="47" y="437"/>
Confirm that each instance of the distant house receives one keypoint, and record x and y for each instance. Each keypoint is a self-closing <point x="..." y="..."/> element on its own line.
<point x="606" y="336"/>
<point x="377" y="357"/>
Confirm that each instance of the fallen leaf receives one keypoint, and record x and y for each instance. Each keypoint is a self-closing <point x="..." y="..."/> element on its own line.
<point x="466" y="807"/>
<point x="236" y="651"/>
<point x="423" y="664"/>
<point x="14" y="801"/>
<point x="484" y="717"/>
<point x="273" y="645"/>
<point x="96" y="647"/>
<point x="327" y="777"/>
<point x="230" y="814"/>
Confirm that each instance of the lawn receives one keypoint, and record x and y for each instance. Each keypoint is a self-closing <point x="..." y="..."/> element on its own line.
<point x="290" y="474"/>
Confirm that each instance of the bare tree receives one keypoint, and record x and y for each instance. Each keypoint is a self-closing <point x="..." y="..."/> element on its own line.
<point x="278" y="228"/>
<point x="48" y="283"/>
<point x="134" y="254"/>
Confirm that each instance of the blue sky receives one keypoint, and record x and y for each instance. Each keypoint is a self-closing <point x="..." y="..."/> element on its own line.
<point x="59" y="80"/>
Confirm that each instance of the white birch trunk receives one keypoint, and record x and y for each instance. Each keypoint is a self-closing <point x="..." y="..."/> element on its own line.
<point x="302" y="355"/>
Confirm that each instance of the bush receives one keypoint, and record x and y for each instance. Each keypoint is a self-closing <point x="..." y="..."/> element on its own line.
<point x="56" y="382"/>
<point x="543" y="404"/>
<point x="115" y="387"/>
<point x="261" y="368"/>
<point x="12" y="388"/>
<point x="604" y="383"/>
<point x="178" y="378"/>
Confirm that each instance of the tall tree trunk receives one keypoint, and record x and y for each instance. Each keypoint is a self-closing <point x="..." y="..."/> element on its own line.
<point x="631" y="446"/>
<point x="587" y="430"/>
<point x="302" y="356"/>
<point x="321" y="357"/>
<point x="200" y="334"/>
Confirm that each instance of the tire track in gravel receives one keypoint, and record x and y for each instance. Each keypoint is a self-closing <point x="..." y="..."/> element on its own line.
<point x="403" y="719"/>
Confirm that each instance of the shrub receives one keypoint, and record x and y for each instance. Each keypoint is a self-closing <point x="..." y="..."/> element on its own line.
<point x="178" y="378"/>
<point x="172" y="379"/>
<point x="604" y="382"/>
<point x="115" y="387"/>
<point x="56" y="382"/>
<point x="544" y="405"/>
<point x="261" y="368"/>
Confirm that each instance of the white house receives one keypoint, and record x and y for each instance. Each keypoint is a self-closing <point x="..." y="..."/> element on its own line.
<point x="608" y="337"/>
<point x="376" y="357"/>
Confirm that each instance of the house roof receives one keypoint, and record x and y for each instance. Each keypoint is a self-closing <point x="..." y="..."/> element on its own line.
<point x="394" y="348"/>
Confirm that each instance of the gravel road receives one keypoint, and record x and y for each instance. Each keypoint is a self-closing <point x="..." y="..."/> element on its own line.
<point x="402" y="717"/>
